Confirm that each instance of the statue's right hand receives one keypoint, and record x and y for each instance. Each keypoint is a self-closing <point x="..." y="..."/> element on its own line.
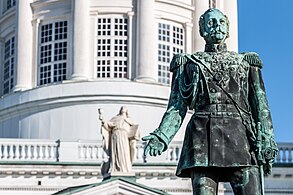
<point x="154" y="146"/>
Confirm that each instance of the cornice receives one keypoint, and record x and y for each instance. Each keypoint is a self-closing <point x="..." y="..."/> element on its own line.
<point x="93" y="170"/>
<point x="6" y="15"/>
<point x="90" y="171"/>
<point x="177" y="4"/>
<point x="24" y="189"/>
<point x="43" y="3"/>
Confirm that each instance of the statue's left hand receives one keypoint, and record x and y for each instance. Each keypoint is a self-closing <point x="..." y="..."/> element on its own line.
<point x="268" y="168"/>
<point x="154" y="147"/>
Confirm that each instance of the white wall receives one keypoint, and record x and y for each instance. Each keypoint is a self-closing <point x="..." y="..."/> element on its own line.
<point x="69" y="110"/>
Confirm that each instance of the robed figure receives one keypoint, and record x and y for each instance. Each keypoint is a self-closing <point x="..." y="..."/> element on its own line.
<point x="119" y="141"/>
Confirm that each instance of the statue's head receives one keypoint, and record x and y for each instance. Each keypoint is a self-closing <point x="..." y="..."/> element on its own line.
<point x="123" y="110"/>
<point x="214" y="26"/>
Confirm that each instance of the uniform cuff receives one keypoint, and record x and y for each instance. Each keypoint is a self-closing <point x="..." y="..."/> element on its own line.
<point x="162" y="137"/>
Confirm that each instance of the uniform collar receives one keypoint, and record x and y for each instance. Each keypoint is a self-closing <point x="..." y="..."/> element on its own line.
<point x="215" y="47"/>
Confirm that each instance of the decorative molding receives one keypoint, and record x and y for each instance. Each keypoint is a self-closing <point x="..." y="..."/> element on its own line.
<point x="30" y="189"/>
<point x="36" y="21"/>
<point x="177" y="4"/>
<point x="43" y="102"/>
<point x="46" y="19"/>
<point x="131" y="13"/>
<point x="43" y="3"/>
<point x="7" y="14"/>
<point x="68" y="174"/>
<point x="188" y="25"/>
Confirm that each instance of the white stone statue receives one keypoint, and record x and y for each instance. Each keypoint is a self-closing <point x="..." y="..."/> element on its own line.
<point x="119" y="141"/>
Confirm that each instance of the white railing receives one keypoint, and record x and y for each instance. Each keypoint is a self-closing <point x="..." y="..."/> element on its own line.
<point x="285" y="153"/>
<point x="28" y="150"/>
<point x="92" y="151"/>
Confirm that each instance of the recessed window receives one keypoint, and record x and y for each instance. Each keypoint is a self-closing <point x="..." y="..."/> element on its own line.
<point x="10" y="4"/>
<point x="53" y="52"/>
<point x="8" y="65"/>
<point x="112" y="47"/>
<point x="170" y="42"/>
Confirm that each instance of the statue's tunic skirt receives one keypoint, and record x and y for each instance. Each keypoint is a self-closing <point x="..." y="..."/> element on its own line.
<point x="214" y="141"/>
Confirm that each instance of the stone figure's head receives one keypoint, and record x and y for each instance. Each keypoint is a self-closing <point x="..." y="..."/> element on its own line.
<point x="123" y="110"/>
<point x="214" y="26"/>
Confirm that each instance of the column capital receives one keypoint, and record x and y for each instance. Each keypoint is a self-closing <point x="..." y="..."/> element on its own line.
<point x="130" y="14"/>
<point x="188" y="25"/>
<point x="36" y="21"/>
<point x="94" y="13"/>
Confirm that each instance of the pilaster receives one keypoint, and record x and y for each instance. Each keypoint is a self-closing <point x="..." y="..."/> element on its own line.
<point x="81" y="40"/>
<point x="1" y="63"/>
<point x="130" y="48"/>
<point x="36" y="25"/>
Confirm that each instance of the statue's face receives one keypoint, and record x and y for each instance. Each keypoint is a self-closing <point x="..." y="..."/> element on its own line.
<point x="215" y="27"/>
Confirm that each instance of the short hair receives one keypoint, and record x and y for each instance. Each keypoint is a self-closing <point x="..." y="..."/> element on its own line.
<point x="201" y="21"/>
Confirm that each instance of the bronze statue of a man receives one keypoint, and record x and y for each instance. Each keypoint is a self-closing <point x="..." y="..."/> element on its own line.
<point x="230" y="135"/>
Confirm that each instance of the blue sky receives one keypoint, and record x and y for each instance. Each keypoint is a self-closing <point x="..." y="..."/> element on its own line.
<point x="266" y="27"/>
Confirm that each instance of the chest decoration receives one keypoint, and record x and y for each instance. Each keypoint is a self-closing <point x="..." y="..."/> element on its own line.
<point x="222" y="67"/>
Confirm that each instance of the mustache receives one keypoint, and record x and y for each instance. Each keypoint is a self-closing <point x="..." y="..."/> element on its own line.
<point x="216" y="31"/>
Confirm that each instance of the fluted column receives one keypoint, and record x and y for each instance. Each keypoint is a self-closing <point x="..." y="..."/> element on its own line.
<point x="147" y="69"/>
<point x="81" y="40"/>
<point x="200" y="7"/>
<point x="24" y="37"/>
<point x="230" y="9"/>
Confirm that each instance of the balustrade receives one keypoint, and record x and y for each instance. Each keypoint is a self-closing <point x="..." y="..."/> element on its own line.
<point x="92" y="151"/>
<point x="28" y="150"/>
<point x="285" y="153"/>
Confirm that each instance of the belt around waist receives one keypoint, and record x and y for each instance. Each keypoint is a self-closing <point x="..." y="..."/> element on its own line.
<point x="218" y="110"/>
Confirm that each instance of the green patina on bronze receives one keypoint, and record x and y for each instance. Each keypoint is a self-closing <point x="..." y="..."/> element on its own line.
<point x="230" y="135"/>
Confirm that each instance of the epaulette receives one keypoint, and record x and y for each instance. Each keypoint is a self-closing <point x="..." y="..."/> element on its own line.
<point x="178" y="60"/>
<point x="253" y="59"/>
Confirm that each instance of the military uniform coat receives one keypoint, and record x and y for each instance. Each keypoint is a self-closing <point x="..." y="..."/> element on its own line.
<point x="226" y="92"/>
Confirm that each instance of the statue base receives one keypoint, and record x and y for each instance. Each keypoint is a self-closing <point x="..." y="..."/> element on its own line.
<point x="129" y="175"/>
